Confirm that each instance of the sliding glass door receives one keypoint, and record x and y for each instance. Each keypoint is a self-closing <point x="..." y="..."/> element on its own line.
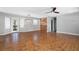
<point x="14" y="24"/>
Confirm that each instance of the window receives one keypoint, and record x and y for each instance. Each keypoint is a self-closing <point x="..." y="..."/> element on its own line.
<point x="7" y="22"/>
<point x="28" y="22"/>
<point x="22" y="22"/>
<point x="35" y="22"/>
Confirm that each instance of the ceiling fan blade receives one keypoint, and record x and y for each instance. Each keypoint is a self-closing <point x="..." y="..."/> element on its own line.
<point x="54" y="9"/>
<point x="56" y="12"/>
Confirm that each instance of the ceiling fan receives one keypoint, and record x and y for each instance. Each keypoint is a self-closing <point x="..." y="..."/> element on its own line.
<point x="53" y="9"/>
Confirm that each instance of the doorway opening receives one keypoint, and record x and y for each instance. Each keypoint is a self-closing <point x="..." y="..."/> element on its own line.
<point x="54" y="24"/>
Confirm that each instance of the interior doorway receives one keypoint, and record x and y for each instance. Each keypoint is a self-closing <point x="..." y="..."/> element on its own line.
<point x="54" y="24"/>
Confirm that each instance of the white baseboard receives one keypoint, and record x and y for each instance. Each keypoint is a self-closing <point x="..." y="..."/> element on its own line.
<point x="30" y="30"/>
<point x="19" y="31"/>
<point x="68" y="33"/>
<point x="6" y="33"/>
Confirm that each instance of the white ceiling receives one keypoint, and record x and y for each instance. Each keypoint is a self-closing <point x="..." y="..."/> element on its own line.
<point x="37" y="11"/>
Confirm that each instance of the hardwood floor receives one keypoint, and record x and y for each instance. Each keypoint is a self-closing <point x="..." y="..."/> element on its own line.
<point x="39" y="41"/>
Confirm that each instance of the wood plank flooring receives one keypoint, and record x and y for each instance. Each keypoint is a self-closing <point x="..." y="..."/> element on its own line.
<point x="39" y="41"/>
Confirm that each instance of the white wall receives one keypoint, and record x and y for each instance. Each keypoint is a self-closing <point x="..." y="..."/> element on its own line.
<point x="68" y="23"/>
<point x="49" y="24"/>
<point x="1" y="23"/>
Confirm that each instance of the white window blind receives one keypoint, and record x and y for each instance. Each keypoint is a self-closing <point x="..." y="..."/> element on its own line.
<point x="7" y="22"/>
